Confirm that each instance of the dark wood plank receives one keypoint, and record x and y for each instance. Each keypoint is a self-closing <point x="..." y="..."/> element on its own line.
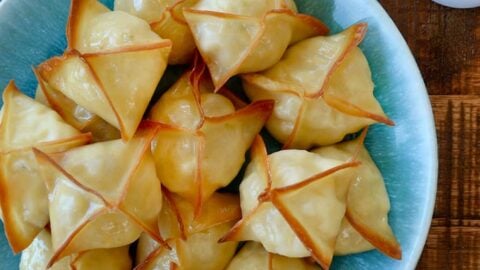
<point x="454" y="239"/>
<point x="445" y="42"/>
<point x="458" y="124"/>
<point x="452" y="247"/>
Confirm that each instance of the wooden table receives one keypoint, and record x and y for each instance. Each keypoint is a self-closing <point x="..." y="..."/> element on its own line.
<point x="446" y="44"/>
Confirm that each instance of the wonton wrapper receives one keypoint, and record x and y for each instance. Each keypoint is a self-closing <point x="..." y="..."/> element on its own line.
<point x="194" y="241"/>
<point x="350" y="241"/>
<point x="26" y="123"/>
<point x="38" y="254"/>
<point x="40" y="96"/>
<point x="167" y="20"/>
<point x="75" y="114"/>
<point x="367" y="202"/>
<point x="102" y="195"/>
<point x="203" y="148"/>
<point x="254" y="256"/>
<point x="112" y="67"/>
<point x="323" y="90"/>
<point x="293" y="202"/>
<point x="149" y="10"/>
<point x="245" y="7"/>
<point x="241" y="36"/>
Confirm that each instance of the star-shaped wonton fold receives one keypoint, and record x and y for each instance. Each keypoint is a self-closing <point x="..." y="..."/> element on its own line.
<point x="367" y="202"/>
<point x="167" y="20"/>
<point x="100" y="70"/>
<point x="293" y="202"/>
<point x="194" y="241"/>
<point x="254" y="256"/>
<point x="26" y="123"/>
<point x="38" y="254"/>
<point x="323" y="91"/>
<point x="102" y="195"/>
<point x="204" y="146"/>
<point x="241" y="36"/>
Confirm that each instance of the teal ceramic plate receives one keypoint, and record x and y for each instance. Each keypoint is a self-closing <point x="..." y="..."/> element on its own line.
<point x="32" y="31"/>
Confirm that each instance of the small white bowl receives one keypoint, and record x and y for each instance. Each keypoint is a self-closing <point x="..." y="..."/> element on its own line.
<point x="459" y="3"/>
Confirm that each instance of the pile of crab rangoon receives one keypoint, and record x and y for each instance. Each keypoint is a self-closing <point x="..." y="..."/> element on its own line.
<point x="92" y="177"/>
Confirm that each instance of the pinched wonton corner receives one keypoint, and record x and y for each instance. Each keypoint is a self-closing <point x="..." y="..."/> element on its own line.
<point x="102" y="195"/>
<point x="241" y="36"/>
<point x="367" y="202"/>
<point x="323" y="90"/>
<point x="38" y="254"/>
<point x="167" y="20"/>
<point x="203" y="147"/>
<point x="254" y="256"/>
<point x="194" y="241"/>
<point x="100" y="70"/>
<point x="350" y="241"/>
<point x="40" y="96"/>
<point x="26" y="123"/>
<point x="293" y="202"/>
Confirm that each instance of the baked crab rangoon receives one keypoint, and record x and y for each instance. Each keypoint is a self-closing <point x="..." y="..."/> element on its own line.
<point x="100" y="69"/>
<point x="193" y="240"/>
<point x="203" y="142"/>
<point x="242" y="36"/>
<point x="295" y="203"/>
<point x="365" y="225"/>
<point x="25" y="124"/>
<point x="323" y="90"/>
<point x="38" y="254"/>
<point x="102" y="195"/>
<point x="166" y="19"/>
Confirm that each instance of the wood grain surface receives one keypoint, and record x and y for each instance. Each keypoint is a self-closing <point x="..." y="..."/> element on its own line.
<point x="446" y="44"/>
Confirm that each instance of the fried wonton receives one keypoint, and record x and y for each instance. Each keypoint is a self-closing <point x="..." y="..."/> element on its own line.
<point x="167" y="20"/>
<point x="254" y="256"/>
<point x="242" y="36"/>
<point x="203" y="147"/>
<point x="323" y="90"/>
<point x="112" y="65"/>
<point x="102" y="195"/>
<point x="367" y="202"/>
<point x="38" y="254"/>
<point x="194" y="241"/>
<point x="26" y="123"/>
<point x="293" y="202"/>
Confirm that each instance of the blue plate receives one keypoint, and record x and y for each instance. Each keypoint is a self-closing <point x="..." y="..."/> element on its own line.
<point x="32" y="31"/>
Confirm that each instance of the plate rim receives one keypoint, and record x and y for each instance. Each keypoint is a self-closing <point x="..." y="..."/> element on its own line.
<point x="427" y="214"/>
